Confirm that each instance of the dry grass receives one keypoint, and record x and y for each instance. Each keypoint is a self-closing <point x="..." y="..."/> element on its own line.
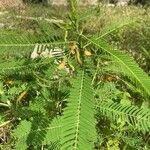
<point x="134" y="37"/>
<point x="117" y="15"/>
<point x="11" y="4"/>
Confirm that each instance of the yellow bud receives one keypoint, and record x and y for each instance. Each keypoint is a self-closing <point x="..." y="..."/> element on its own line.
<point x="61" y="66"/>
<point x="87" y="53"/>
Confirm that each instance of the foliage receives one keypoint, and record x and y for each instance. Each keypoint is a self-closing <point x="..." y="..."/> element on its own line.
<point x="65" y="87"/>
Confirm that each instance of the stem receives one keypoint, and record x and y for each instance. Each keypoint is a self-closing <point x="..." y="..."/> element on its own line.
<point x="5" y="105"/>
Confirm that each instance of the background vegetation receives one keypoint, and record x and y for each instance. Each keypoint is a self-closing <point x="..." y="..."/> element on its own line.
<point x="75" y="79"/>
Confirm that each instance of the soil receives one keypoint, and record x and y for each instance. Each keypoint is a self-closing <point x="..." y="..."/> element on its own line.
<point x="11" y="3"/>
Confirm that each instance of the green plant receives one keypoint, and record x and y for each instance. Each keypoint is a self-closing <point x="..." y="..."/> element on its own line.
<point x="92" y="96"/>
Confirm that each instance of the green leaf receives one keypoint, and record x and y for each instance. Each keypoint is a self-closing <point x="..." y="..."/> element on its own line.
<point x="128" y="66"/>
<point x="21" y="135"/>
<point x="78" y="120"/>
<point x="38" y="132"/>
<point x="138" y="118"/>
